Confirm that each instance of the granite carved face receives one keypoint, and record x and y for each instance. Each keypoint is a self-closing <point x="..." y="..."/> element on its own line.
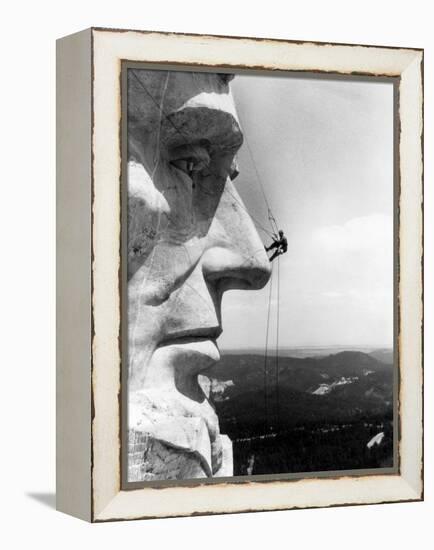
<point x="190" y="239"/>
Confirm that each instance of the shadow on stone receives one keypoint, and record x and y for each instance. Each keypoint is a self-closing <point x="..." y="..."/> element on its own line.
<point x="47" y="499"/>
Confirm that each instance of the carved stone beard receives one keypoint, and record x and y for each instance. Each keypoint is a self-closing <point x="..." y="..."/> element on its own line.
<point x="189" y="239"/>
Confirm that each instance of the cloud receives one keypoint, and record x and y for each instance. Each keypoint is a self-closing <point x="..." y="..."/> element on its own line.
<point x="372" y="233"/>
<point x="336" y="288"/>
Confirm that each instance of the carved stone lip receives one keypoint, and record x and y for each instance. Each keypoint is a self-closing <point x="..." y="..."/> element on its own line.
<point x="199" y="334"/>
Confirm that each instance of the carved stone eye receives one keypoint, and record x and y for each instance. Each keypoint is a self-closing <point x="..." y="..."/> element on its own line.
<point x="186" y="165"/>
<point x="189" y="158"/>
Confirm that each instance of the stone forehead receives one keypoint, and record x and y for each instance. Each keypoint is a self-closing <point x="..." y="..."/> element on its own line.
<point x="154" y="95"/>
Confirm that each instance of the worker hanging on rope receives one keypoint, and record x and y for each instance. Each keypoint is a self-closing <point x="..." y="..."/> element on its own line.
<point x="280" y="243"/>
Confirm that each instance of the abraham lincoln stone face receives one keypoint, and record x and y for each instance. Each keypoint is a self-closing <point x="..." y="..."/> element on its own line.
<point x="190" y="239"/>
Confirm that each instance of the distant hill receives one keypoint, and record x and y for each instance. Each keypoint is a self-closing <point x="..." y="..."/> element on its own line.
<point x="315" y="394"/>
<point x="350" y="380"/>
<point x="314" y="351"/>
<point x="383" y="355"/>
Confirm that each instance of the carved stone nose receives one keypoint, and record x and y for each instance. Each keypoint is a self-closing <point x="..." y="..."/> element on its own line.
<point x="231" y="268"/>
<point x="235" y="256"/>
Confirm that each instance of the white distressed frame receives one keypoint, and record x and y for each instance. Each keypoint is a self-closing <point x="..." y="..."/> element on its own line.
<point x="109" y="48"/>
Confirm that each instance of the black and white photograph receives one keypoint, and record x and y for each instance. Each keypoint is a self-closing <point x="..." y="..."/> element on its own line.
<point x="259" y="330"/>
<point x="218" y="255"/>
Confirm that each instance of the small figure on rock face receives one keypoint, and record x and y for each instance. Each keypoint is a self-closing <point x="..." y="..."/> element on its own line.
<point x="280" y="243"/>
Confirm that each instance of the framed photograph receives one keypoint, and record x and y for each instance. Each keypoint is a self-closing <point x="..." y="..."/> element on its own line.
<point x="239" y="274"/>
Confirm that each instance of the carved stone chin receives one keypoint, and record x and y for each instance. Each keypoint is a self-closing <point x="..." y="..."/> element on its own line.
<point x="189" y="240"/>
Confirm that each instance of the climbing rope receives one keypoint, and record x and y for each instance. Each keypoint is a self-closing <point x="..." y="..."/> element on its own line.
<point x="275" y="229"/>
<point x="266" y="353"/>
<point x="277" y="346"/>
<point x="160" y="114"/>
<point x="271" y="218"/>
<point x="272" y="412"/>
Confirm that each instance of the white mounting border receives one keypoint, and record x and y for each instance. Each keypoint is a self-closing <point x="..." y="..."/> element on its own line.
<point x="93" y="490"/>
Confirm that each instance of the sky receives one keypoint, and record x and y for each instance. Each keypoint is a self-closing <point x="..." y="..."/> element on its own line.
<point x="323" y="150"/>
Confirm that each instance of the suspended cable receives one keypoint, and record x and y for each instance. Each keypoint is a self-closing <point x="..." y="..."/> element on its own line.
<point x="266" y="352"/>
<point x="255" y="221"/>
<point x="156" y="103"/>
<point x="271" y="218"/>
<point x="258" y="177"/>
<point x="160" y="113"/>
<point x="273" y="222"/>
<point x="277" y="346"/>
